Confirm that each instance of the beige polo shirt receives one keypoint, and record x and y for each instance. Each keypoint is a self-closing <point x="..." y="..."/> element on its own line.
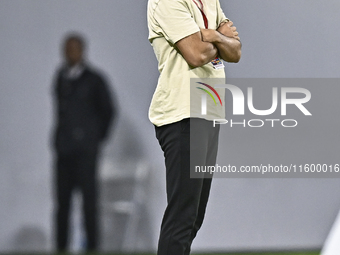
<point x="170" y="21"/>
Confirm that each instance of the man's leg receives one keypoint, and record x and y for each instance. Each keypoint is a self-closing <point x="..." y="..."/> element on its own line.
<point x="88" y="185"/>
<point x="183" y="193"/>
<point x="65" y="183"/>
<point x="207" y="127"/>
<point x="201" y="212"/>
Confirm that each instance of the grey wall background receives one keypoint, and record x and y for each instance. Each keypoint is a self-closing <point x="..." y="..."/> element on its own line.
<point x="280" y="39"/>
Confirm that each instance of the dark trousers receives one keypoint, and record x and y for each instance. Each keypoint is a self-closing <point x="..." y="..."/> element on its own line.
<point x="76" y="171"/>
<point x="187" y="197"/>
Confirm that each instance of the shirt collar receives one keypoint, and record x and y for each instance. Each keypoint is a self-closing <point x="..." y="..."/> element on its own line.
<point x="74" y="72"/>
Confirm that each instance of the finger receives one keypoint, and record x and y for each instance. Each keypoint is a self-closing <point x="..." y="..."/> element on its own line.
<point x="230" y="23"/>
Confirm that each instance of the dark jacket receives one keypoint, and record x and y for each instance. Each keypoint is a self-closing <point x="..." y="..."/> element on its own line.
<point x="84" y="112"/>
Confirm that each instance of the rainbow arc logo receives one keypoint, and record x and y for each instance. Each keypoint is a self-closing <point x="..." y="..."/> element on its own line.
<point x="209" y="93"/>
<point x="204" y="96"/>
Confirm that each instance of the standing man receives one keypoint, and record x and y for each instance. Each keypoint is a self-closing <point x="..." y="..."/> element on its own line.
<point x="84" y="114"/>
<point x="190" y="39"/>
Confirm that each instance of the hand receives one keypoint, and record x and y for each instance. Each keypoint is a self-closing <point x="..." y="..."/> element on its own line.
<point x="227" y="29"/>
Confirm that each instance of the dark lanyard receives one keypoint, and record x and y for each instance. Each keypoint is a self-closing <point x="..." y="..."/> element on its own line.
<point x="203" y="14"/>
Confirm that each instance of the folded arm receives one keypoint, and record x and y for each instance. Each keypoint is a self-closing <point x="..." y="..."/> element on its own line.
<point x="196" y="51"/>
<point x="226" y="40"/>
<point x="202" y="47"/>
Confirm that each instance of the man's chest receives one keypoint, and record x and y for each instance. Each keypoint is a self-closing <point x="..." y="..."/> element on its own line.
<point x="204" y="12"/>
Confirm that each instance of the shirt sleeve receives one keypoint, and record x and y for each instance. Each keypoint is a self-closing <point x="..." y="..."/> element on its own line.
<point x="175" y="20"/>
<point x="220" y="14"/>
<point x="104" y="105"/>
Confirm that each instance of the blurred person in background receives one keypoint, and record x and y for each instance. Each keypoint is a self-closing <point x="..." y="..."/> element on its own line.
<point x="84" y="112"/>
